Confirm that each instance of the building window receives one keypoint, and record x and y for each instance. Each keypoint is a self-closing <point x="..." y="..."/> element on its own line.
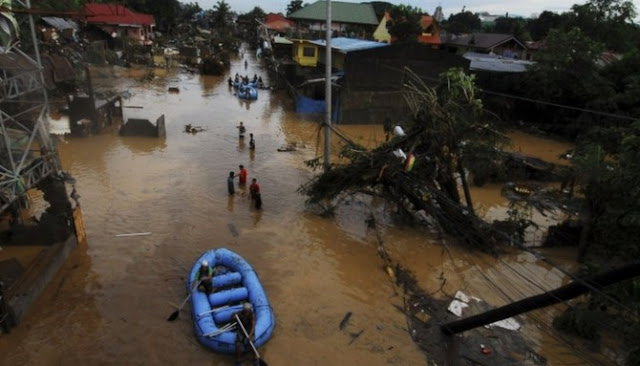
<point x="309" y="52"/>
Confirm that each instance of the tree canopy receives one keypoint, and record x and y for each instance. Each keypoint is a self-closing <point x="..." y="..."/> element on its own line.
<point x="463" y="22"/>
<point x="221" y="14"/>
<point x="293" y="6"/>
<point x="404" y="25"/>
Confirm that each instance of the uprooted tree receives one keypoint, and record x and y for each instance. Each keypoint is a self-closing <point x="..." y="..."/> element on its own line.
<point x="449" y="134"/>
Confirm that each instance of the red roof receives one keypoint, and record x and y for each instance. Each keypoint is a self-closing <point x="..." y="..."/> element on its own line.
<point x="278" y="19"/>
<point x="430" y="32"/>
<point x="426" y="21"/>
<point x="115" y="14"/>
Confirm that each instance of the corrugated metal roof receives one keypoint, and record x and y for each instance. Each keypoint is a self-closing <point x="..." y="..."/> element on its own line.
<point x="281" y="40"/>
<point x="60" y="23"/>
<point x="341" y="12"/>
<point x="482" y="40"/>
<point x="346" y="45"/>
<point x="487" y="62"/>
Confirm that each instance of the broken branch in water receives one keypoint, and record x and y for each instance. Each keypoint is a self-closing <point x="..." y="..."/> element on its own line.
<point x="345" y="320"/>
<point x="133" y="234"/>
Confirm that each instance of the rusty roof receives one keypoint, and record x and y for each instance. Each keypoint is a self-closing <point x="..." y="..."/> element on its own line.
<point x="61" y="68"/>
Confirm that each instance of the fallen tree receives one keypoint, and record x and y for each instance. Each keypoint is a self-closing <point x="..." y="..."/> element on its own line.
<point x="419" y="170"/>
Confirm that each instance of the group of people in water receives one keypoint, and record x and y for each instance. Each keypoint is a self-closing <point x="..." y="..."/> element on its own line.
<point x="254" y="187"/>
<point x="244" y="80"/>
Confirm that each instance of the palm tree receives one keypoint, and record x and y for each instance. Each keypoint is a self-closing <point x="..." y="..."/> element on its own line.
<point x="221" y="14"/>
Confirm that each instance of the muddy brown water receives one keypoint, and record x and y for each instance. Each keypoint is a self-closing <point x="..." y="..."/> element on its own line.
<point x="109" y="303"/>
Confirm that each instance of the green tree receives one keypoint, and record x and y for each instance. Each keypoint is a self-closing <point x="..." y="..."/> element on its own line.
<point x="380" y="7"/>
<point x="404" y="25"/>
<point x="164" y="13"/>
<point x="513" y="26"/>
<point x="188" y="10"/>
<point x="607" y="166"/>
<point x="540" y="27"/>
<point x="624" y="76"/>
<point x="607" y="21"/>
<point x="293" y="6"/>
<point x="221" y="14"/>
<point x="566" y="73"/>
<point x="249" y="24"/>
<point x="463" y="22"/>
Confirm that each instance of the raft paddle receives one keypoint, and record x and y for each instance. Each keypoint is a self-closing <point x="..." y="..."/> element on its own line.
<point x="175" y="314"/>
<point x="261" y="361"/>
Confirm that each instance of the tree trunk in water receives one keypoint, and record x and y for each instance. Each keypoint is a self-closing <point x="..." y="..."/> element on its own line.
<point x="465" y="184"/>
<point x="447" y="182"/>
<point x="584" y="234"/>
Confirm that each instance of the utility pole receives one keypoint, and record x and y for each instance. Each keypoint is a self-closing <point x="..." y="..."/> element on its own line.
<point x="563" y="293"/>
<point x="327" y="93"/>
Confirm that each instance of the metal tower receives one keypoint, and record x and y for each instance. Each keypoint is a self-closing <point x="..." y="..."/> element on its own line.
<point x="27" y="154"/>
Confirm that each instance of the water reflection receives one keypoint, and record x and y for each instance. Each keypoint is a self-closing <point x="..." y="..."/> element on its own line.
<point x="231" y="202"/>
<point x="144" y="145"/>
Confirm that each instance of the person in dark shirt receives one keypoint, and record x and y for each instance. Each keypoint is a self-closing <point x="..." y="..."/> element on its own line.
<point x="248" y="319"/>
<point x="254" y="193"/>
<point x="230" y="186"/>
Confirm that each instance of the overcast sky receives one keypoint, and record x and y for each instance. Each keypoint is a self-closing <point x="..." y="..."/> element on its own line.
<point x="498" y="7"/>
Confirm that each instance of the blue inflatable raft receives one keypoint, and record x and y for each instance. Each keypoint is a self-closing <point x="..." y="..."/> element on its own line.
<point x="247" y="92"/>
<point x="235" y="282"/>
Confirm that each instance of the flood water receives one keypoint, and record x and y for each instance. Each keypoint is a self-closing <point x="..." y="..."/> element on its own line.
<point x="109" y="303"/>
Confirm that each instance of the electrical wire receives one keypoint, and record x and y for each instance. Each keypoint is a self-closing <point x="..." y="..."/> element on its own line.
<point x="513" y="96"/>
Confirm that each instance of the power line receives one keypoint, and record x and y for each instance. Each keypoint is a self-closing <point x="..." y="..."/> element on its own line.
<point x="512" y="96"/>
<point x="592" y="111"/>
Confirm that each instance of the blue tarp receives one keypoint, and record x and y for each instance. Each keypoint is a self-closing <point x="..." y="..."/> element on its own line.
<point x="306" y="105"/>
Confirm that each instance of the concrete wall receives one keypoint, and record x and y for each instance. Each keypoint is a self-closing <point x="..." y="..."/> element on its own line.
<point x="37" y="276"/>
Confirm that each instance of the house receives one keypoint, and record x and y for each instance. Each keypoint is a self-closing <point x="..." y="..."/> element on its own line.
<point x="430" y="31"/>
<point x="340" y="47"/>
<point x="504" y="45"/>
<point x="345" y="17"/>
<point x="381" y="34"/>
<point x="119" y="21"/>
<point x="304" y="53"/>
<point x="374" y="79"/>
<point x="282" y="47"/>
<point x="277" y="23"/>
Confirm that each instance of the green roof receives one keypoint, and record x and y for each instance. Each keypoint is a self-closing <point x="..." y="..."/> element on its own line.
<point x="341" y="12"/>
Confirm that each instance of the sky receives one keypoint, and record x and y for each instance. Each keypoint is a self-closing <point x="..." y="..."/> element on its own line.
<point x="496" y="7"/>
